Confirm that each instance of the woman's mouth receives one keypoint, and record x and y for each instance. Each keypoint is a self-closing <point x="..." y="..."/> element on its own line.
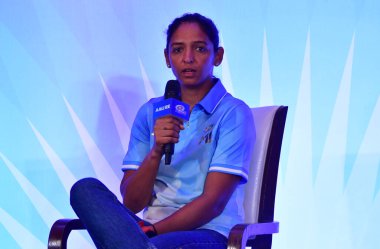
<point x="188" y="72"/>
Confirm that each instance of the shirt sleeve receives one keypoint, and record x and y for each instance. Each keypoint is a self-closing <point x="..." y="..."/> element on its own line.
<point x="139" y="143"/>
<point x="235" y="144"/>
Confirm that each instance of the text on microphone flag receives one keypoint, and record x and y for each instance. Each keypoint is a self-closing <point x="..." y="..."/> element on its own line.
<point x="171" y="107"/>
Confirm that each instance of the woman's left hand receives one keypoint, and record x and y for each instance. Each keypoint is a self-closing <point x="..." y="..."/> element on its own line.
<point x="148" y="229"/>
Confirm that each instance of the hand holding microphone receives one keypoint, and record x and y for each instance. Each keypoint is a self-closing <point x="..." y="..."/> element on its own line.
<point x="169" y="115"/>
<point x="166" y="132"/>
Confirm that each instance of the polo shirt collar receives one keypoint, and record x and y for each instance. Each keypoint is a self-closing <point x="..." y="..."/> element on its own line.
<point x="213" y="97"/>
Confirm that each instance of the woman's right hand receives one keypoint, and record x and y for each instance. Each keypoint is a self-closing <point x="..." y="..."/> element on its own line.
<point x="166" y="130"/>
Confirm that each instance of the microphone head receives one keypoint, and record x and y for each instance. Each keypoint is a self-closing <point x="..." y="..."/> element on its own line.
<point x="172" y="90"/>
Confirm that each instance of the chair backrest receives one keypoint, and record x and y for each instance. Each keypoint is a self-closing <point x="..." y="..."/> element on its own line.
<point x="260" y="190"/>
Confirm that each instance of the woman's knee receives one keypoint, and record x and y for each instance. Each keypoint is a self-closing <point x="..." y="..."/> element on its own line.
<point x="82" y="188"/>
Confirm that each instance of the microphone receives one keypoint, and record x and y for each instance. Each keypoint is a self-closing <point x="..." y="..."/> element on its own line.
<point x="171" y="106"/>
<point x="172" y="90"/>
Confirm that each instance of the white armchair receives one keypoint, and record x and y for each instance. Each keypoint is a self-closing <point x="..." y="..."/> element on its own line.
<point x="262" y="181"/>
<point x="260" y="188"/>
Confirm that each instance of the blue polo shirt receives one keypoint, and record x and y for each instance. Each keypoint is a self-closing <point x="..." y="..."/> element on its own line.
<point x="219" y="137"/>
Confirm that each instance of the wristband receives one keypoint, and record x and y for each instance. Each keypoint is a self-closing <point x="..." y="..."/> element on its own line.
<point x="151" y="233"/>
<point x="154" y="228"/>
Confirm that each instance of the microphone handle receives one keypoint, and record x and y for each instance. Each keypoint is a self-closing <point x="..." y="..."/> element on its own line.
<point x="172" y="90"/>
<point x="168" y="151"/>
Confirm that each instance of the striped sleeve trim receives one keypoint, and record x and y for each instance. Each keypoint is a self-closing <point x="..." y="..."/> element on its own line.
<point x="230" y="170"/>
<point x="129" y="166"/>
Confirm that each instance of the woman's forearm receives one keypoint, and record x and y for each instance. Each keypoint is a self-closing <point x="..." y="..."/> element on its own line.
<point x="191" y="216"/>
<point x="137" y="185"/>
<point x="217" y="192"/>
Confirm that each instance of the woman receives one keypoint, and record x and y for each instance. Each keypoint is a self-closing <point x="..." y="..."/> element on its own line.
<point x="195" y="201"/>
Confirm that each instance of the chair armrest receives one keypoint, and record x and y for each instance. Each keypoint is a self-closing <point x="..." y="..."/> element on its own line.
<point x="240" y="233"/>
<point x="60" y="231"/>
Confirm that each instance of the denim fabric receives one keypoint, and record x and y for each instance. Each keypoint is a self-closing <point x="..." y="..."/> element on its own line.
<point x="113" y="226"/>
<point x="195" y="239"/>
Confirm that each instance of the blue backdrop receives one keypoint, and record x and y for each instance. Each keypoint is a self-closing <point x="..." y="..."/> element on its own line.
<point x="74" y="73"/>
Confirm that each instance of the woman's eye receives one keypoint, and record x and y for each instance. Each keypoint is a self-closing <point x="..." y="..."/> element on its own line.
<point x="201" y="49"/>
<point x="176" y="50"/>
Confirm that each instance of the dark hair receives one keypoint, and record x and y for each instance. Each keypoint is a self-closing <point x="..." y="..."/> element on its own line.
<point x="206" y="24"/>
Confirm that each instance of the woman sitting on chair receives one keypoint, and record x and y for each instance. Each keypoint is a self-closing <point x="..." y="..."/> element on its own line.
<point x="198" y="198"/>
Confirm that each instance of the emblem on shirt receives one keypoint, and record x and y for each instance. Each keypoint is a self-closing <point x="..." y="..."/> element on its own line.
<point x="207" y="134"/>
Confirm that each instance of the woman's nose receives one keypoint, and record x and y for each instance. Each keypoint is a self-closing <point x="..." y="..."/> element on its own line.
<point x="188" y="56"/>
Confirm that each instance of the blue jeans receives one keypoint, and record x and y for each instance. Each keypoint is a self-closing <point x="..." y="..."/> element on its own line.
<point x="113" y="226"/>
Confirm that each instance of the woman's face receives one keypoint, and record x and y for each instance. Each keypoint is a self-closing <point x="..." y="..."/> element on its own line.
<point x="191" y="55"/>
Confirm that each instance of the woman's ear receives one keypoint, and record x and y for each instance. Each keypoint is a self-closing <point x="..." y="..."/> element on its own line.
<point x="167" y="58"/>
<point x="218" y="56"/>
